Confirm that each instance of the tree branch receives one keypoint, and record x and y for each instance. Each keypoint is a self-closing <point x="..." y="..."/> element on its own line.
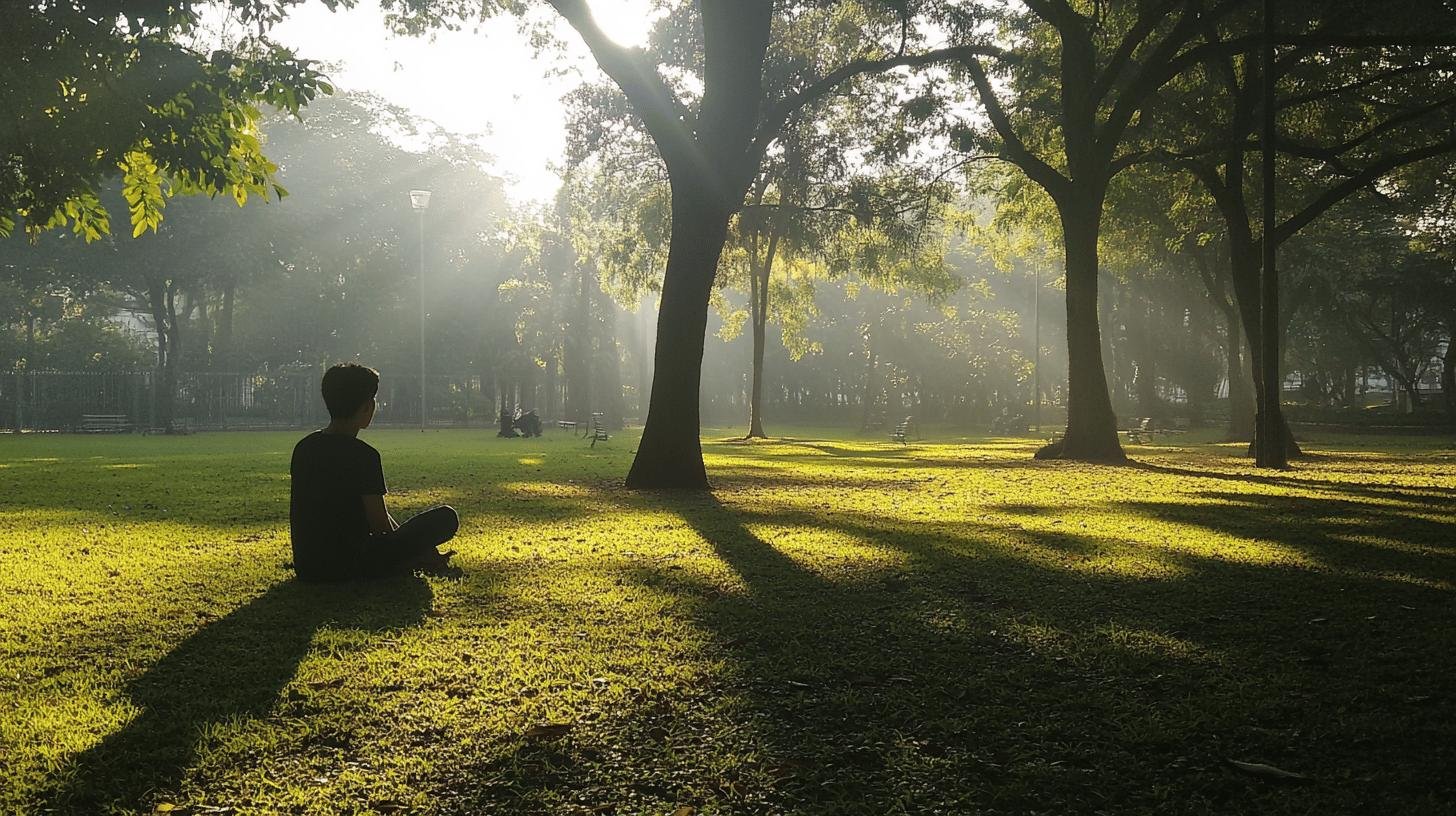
<point x="1059" y="13"/>
<point x="778" y="114"/>
<point x="667" y="120"/>
<point x="1147" y="20"/>
<point x="1012" y="148"/>
<point x="1162" y="65"/>
<point x="1326" y="93"/>
<point x="1370" y="174"/>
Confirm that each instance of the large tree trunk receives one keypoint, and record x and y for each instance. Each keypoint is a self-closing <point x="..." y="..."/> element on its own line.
<point x="670" y="454"/>
<point x="162" y="304"/>
<point x="1244" y="264"/>
<point x="1091" y="424"/>
<point x="760" y="275"/>
<point x="1408" y="383"/>
<point x="577" y="358"/>
<point x="710" y="170"/>
<point x="759" y="294"/>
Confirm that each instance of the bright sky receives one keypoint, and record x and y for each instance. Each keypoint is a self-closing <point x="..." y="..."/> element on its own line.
<point x="488" y="82"/>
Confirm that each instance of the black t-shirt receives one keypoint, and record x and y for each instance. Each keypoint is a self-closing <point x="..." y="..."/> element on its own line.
<point x="326" y="516"/>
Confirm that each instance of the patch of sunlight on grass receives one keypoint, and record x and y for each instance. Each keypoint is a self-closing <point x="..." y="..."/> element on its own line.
<point x="1098" y="557"/>
<point x="1416" y="580"/>
<point x="1155" y="644"/>
<point x="552" y="490"/>
<point x="531" y="461"/>
<point x="56" y="723"/>
<point x="830" y="553"/>
<point x="129" y="465"/>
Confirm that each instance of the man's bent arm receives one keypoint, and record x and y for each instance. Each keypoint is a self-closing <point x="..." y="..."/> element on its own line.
<point x="380" y="521"/>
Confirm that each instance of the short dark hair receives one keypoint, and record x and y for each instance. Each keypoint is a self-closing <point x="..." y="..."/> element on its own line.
<point x="347" y="386"/>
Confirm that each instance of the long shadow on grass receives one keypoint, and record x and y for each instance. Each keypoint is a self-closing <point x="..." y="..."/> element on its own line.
<point x="1407" y="493"/>
<point x="891" y="689"/>
<point x="1034" y="687"/>
<point x="233" y="668"/>
<point x="965" y="676"/>
<point x="1338" y="533"/>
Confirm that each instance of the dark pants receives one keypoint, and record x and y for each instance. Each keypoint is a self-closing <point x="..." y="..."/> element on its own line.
<point x="415" y="539"/>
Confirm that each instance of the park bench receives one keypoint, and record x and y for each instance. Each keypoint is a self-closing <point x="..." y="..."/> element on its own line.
<point x="566" y="425"/>
<point x="1141" y="430"/>
<point x="598" y="430"/>
<point x="902" y="431"/>
<point x="105" y="423"/>
<point x="181" y="426"/>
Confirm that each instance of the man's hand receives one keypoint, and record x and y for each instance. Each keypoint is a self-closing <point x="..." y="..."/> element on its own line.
<point x="380" y="522"/>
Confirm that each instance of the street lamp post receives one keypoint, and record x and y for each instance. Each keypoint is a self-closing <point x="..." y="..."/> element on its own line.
<point x="420" y="201"/>
<point x="1036" y="359"/>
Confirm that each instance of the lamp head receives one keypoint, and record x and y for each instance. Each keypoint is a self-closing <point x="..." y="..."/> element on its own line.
<point x="420" y="199"/>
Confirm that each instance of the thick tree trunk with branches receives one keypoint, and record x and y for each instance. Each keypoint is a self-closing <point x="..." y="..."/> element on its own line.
<point x="162" y="304"/>
<point x="760" y="273"/>
<point x="670" y="454"/>
<point x="711" y="156"/>
<point x="1091" y="433"/>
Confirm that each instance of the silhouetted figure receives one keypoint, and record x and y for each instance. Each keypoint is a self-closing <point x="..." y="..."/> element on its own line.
<point x="507" y="425"/>
<point x="529" y="424"/>
<point x="340" y="526"/>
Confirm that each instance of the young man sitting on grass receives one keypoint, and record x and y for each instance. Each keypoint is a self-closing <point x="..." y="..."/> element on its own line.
<point x="339" y="524"/>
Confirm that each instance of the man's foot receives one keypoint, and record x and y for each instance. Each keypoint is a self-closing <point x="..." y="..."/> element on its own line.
<point x="436" y="563"/>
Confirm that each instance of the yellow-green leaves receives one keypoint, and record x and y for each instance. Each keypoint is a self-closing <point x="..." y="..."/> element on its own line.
<point x="144" y="189"/>
<point x="85" y="213"/>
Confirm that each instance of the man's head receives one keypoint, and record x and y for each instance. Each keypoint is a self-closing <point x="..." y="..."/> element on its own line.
<point x="349" y="390"/>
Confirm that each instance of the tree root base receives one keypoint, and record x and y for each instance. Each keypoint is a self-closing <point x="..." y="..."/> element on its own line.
<point x="1060" y="450"/>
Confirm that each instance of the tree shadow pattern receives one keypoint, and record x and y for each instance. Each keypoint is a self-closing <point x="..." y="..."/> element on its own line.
<point x="1035" y="688"/>
<point x="1046" y="690"/>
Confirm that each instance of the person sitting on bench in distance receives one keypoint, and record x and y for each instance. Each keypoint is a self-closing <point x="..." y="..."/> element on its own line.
<point x="337" y="518"/>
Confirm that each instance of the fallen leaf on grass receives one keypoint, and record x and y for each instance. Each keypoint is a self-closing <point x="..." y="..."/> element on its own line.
<point x="1268" y="772"/>
<point x="548" y="730"/>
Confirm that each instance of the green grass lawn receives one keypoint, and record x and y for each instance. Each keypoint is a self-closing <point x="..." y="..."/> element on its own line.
<point x="844" y="626"/>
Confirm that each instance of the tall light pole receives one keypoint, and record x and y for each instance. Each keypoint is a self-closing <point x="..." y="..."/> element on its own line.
<point x="1036" y="337"/>
<point x="420" y="201"/>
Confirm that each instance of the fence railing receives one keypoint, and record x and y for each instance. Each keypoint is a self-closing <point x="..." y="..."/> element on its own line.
<point x="60" y="400"/>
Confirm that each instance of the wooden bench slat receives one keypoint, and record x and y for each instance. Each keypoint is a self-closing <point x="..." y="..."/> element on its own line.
<point x="597" y="431"/>
<point x="902" y="430"/>
<point x="105" y="423"/>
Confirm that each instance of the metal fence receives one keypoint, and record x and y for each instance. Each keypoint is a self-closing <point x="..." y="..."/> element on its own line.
<point x="60" y="400"/>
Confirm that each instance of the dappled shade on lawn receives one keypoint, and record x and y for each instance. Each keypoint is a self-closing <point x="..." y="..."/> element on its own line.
<point x="844" y="625"/>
